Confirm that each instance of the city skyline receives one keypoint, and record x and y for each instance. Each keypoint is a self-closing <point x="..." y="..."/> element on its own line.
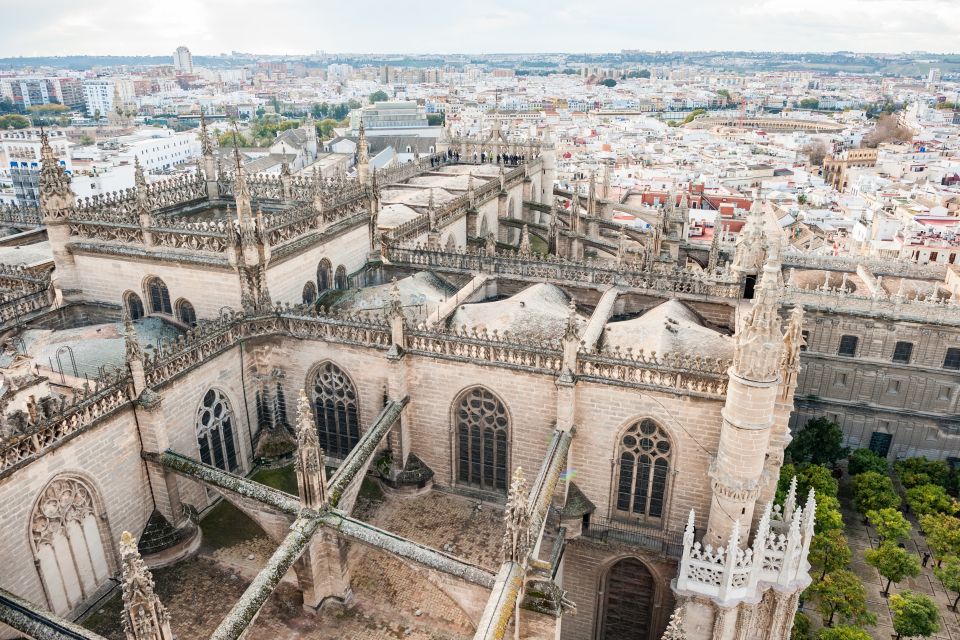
<point x="217" y="26"/>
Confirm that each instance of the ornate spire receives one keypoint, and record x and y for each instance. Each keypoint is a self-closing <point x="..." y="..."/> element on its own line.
<point x="206" y="145"/>
<point x="395" y="305"/>
<point x="714" y="257"/>
<point x="674" y="630"/>
<point x="759" y="343"/>
<point x="431" y="210"/>
<point x="621" y="246"/>
<point x="139" y="178"/>
<point x="310" y="467"/>
<point x="793" y="340"/>
<point x="570" y="331"/>
<point x="525" y="250"/>
<point x="131" y="344"/>
<point x="490" y="245"/>
<point x="592" y="195"/>
<point x="363" y="149"/>
<point x="144" y="617"/>
<point x="55" y="193"/>
<point x="751" y="241"/>
<point x="516" y="540"/>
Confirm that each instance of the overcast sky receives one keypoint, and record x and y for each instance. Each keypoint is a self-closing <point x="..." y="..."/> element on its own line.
<point x="130" y="27"/>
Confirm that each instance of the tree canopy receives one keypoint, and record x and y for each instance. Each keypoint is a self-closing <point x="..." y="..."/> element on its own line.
<point x="608" y="82"/>
<point x="893" y="563"/>
<point x="890" y="524"/>
<point x="914" y="614"/>
<point x="914" y="472"/>
<point x="843" y="633"/>
<point x="829" y="551"/>
<point x="873" y="491"/>
<point x="378" y="96"/>
<point x="943" y="534"/>
<point x="841" y="594"/>
<point x="930" y="498"/>
<point x="949" y="574"/>
<point x="819" y="442"/>
<point x="865" y="460"/>
<point x="14" y="120"/>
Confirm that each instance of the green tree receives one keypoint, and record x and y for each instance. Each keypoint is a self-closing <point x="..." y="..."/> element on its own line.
<point x="841" y="594"/>
<point x="801" y="627"/>
<point x="819" y="442"/>
<point x="48" y="109"/>
<point x="829" y="551"/>
<point x="608" y="82"/>
<point x="723" y="93"/>
<point x="693" y="115"/>
<point x="914" y="614"/>
<point x="914" y="472"/>
<point x="865" y="460"/>
<point x="86" y="139"/>
<point x="828" y="516"/>
<point x="227" y="139"/>
<point x="893" y="563"/>
<point x="873" y="491"/>
<point x="890" y="524"/>
<point x="14" y="120"/>
<point x="843" y="633"/>
<point x="643" y="73"/>
<point x="436" y="119"/>
<point x="943" y="534"/>
<point x="809" y="103"/>
<point x="949" y="574"/>
<point x="378" y="96"/>
<point x="930" y="498"/>
<point x="7" y="106"/>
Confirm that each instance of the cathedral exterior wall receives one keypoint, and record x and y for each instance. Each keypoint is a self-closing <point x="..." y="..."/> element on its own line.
<point x="287" y="278"/>
<point x="107" y="459"/>
<point x="106" y="279"/>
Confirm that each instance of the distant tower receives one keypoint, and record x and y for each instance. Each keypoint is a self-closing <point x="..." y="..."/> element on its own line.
<point x="183" y="60"/>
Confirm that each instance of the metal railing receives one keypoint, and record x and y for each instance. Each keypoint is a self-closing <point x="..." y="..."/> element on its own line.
<point x="666" y="543"/>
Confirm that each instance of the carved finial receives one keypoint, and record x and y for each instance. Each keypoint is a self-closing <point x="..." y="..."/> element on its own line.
<point x="793" y="340"/>
<point x="490" y="245"/>
<point x="139" y="179"/>
<point x="144" y="617"/>
<point x="131" y="344"/>
<point x="674" y="630"/>
<point x="759" y="343"/>
<point x="396" y="304"/>
<point x="54" y="183"/>
<point x="525" y="250"/>
<point x="570" y="331"/>
<point x="516" y="540"/>
<point x="206" y="145"/>
<point x="310" y="466"/>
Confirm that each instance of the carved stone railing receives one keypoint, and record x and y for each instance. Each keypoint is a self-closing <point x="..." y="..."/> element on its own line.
<point x="685" y="373"/>
<point x="878" y="266"/>
<point x="16" y="216"/>
<point x="176" y="191"/>
<point x="657" y="279"/>
<point x="86" y="409"/>
<point x="14" y="307"/>
<point x="407" y="170"/>
<point x="931" y="309"/>
<point x="483" y="347"/>
<point x="777" y="558"/>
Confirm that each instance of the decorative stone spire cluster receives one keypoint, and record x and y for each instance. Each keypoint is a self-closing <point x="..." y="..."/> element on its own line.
<point x="363" y="155"/>
<point x="516" y="540"/>
<point x="206" y="144"/>
<point x="143" y="617"/>
<point x="751" y="241"/>
<point x="525" y="250"/>
<point x="674" y="630"/>
<point x="310" y="467"/>
<point x="55" y="193"/>
<point x="759" y="343"/>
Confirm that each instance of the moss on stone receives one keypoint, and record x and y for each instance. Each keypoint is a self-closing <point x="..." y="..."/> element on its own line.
<point x="284" y="479"/>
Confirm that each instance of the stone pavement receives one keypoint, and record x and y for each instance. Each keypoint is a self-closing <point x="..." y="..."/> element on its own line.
<point x="862" y="537"/>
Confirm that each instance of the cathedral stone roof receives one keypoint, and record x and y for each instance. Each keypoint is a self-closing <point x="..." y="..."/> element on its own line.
<point x="539" y="312"/>
<point x="419" y="294"/>
<point x="670" y="327"/>
<point x="393" y="215"/>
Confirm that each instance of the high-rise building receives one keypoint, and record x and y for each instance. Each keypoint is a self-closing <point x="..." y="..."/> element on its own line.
<point x="98" y="97"/>
<point x="183" y="60"/>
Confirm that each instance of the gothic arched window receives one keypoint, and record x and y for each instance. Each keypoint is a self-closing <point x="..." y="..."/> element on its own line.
<point x="67" y="545"/>
<point x="324" y="275"/>
<point x="215" y="431"/>
<point x="309" y="293"/>
<point x="483" y="433"/>
<point x="643" y="470"/>
<point x="340" y="281"/>
<point x="336" y="409"/>
<point x="133" y="305"/>
<point x="186" y="313"/>
<point x="159" y="297"/>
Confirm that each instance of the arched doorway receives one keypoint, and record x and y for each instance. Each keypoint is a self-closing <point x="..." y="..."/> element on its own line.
<point x="627" y="596"/>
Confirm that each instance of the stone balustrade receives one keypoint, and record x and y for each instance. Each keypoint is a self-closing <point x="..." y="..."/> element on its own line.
<point x="878" y="266"/>
<point x="777" y="557"/>
<point x="932" y="308"/>
<point x="17" y="216"/>
<point x="657" y="278"/>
